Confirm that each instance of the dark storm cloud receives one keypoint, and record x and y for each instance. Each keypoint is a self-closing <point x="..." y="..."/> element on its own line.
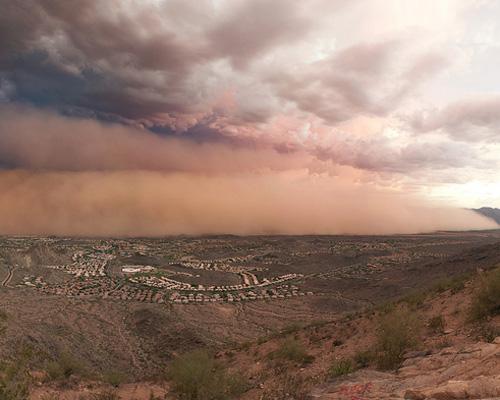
<point x="147" y="63"/>
<point x="36" y="140"/>
<point x="121" y="58"/>
<point x="58" y="54"/>
<point x="194" y="68"/>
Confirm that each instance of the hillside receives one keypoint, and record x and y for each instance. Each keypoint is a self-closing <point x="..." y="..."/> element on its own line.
<point x="441" y="343"/>
<point x="493" y="213"/>
<point x="393" y="318"/>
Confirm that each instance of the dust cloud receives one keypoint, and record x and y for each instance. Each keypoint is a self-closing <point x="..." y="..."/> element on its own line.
<point x="146" y="203"/>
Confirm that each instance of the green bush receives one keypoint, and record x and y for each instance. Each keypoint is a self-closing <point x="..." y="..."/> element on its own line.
<point x="397" y="332"/>
<point x="341" y="367"/>
<point x="63" y="367"/>
<point x="14" y="379"/>
<point x="14" y="387"/>
<point x="288" y="386"/>
<point x="292" y="350"/>
<point x="105" y="395"/>
<point x="436" y="324"/>
<point x="415" y="299"/>
<point x="487" y="331"/>
<point x="364" y="358"/>
<point x="197" y="376"/>
<point x="114" y="378"/>
<point x="486" y="299"/>
<point x="454" y="284"/>
<point x="3" y="320"/>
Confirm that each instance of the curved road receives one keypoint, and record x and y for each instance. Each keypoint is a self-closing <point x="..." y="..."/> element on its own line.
<point x="7" y="279"/>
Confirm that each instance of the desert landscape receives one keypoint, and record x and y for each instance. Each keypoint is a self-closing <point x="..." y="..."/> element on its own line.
<point x="120" y="312"/>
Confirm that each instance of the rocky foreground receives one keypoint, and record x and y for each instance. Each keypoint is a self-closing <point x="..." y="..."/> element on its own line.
<point x="469" y="372"/>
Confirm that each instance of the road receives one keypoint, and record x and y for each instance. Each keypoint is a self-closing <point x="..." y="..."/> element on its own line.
<point x="7" y="279"/>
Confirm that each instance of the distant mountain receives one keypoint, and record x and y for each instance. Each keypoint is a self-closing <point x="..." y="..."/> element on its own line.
<point x="493" y="213"/>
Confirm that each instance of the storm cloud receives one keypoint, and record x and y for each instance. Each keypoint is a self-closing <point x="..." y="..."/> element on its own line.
<point x="246" y="116"/>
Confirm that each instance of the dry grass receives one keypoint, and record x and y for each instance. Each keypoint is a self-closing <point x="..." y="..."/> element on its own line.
<point x="341" y="367"/>
<point x="486" y="298"/>
<point x="436" y="324"/>
<point x="198" y="376"/>
<point x="397" y="332"/>
<point x="292" y="350"/>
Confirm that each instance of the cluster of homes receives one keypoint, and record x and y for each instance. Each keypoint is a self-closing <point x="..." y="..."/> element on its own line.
<point x="87" y="264"/>
<point x="109" y="289"/>
<point x="147" y="284"/>
<point x="223" y="265"/>
<point x="106" y="289"/>
<point x="278" y="292"/>
<point x="249" y="281"/>
<point x="160" y="282"/>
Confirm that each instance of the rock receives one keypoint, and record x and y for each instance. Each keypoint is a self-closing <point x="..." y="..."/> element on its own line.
<point x="415" y="354"/>
<point x="471" y="371"/>
<point x="497" y="340"/>
<point x="414" y="395"/>
<point x="450" y="391"/>
<point x="484" y="386"/>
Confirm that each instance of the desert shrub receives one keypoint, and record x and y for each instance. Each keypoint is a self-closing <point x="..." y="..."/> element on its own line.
<point x="341" y="367"/>
<point x="245" y="346"/>
<point x="3" y="320"/>
<point x="415" y="299"/>
<point x="443" y="343"/>
<point x="13" y="386"/>
<point x="397" y="332"/>
<point x="105" y="395"/>
<point x="292" y="350"/>
<point x="14" y="379"/>
<point x="487" y="332"/>
<point x="197" y="376"/>
<point x="288" y="386"/>
<point x="50" y="396"/>
<point x="385" y="307"/>
<point x="318" y="323"/>
<point x="63" y="367"/>
<point x="114" y="378"/>
<point x="486" y="299"/>
<point x="291" y="328"/>
<point x="436" y="324"/>
<point x="14" y="389"/>
<point x="364" y="358"/>
<point x="14" y="373"/>
<point x="454" y="284"/>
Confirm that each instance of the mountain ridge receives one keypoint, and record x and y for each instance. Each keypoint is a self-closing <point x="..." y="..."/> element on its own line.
<point x="490" y="212"/>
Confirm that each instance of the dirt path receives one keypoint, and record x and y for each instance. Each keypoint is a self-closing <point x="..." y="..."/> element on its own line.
<point x="130" y="348"/>
<point x="7" y="279"/>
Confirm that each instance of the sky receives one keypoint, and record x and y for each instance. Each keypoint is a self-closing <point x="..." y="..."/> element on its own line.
<point x="152" y="117"/>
